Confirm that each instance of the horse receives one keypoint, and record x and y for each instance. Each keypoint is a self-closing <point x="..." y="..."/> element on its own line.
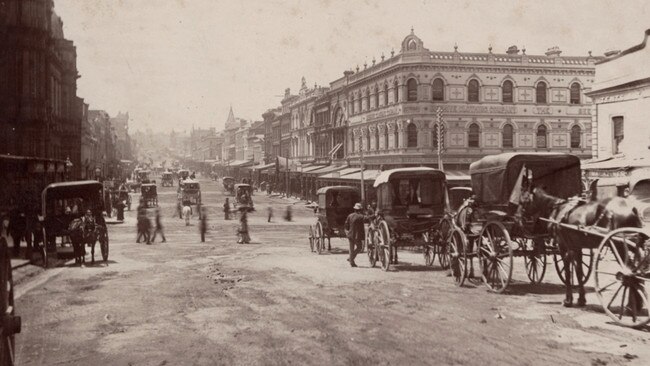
<point x="82" y="233"/>
<point x="610" y="214"/>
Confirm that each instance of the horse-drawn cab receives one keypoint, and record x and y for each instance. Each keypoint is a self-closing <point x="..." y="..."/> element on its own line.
<point x="189" y="192"/>
<point x="149" y="195"/>
<point x="144" y="177"/>
<point x="335" y="203"/>
<point x="411" y="205"/>
<point x="167" y="179"/>
<point x="244" y="195"/>
<point x="183" y="174"/>
<point x="74" y="210"/>
<point x="458" y="196"/>
<point x="229" y="184"/>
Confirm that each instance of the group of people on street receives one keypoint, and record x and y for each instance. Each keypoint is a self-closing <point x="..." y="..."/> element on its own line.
<point x="144" y="227"/>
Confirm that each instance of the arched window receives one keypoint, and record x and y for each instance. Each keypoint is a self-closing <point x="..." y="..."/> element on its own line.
<point x="396" y="92"/>
<point x="540" y="92"/>
<point x="474" y="135"/>
<point x="352" y="104"/>
<point x="506" y="92"/>
<point x="438" y="91"/>
<point x="386" y="138"/>
<point x="434" y="136"/>
<point x="376" y="138"/>
<point x="396" y="137"/>
<point x="508" y="135"/>
<point x="472" y="91"/>
<point x="575" y="93"/>
<point x="385" y="94"/>
<point x="377" y="97"/>
<point x="366" y="99"/>
<point x="541" y="137"/>
<point x="576" y="134"/>
<point x="368" y="141"/>
<point x="412" y="90"/>
<point x="412" y="135"/>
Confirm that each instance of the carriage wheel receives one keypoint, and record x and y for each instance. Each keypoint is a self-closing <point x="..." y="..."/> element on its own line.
<point x="535" y="260"/>
<point x="622" y="268"/>
<point x="383" y="245"/>
<point x="42" y="250"/>
<point x="586" y="263"/>
<point x="320" y="238"/>
<point x="311" y="238"/>
<point x="495" y="256"/>
<point x="457" y="256"/>
<point x="429" y="248"/>
<point x="103" y="243"/>
<point x="371" y="248"/>
<point x="9" y="323"/>
<point x="444" y="234"/>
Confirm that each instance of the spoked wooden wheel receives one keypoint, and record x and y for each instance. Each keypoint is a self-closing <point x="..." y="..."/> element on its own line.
<point x="429" y="248"/>
<point x="444" y="233"/>
<point x="534" y="258"/>
<point x="457" y="256"/>
<point x="371" y="247"/>
<point x="311" y="238"/>
<point x="622" y="269"/>
<point x="9" y="323"/>
<point x="586" y="262"/>
<point x="320" y="239"/>
<point x="103" y="243"/>
<point x="495" y="256"/>
<point x="382" y="240"/>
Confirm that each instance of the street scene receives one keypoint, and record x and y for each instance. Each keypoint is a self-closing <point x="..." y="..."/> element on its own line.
<point x="275" y="183"/>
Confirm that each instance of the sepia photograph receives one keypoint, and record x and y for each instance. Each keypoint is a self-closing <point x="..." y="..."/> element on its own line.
<point x="324" y="182"/>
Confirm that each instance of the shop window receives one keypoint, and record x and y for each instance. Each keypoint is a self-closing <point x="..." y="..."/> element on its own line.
<point x="575" y="93"/>
<point x="618" y="133"/>
<point x="412" y="135"/>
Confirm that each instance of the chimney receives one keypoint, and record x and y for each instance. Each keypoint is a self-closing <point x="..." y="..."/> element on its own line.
<point x="512" y="50"/>
<point x="553" y="51"/>
<point x="287" y="92"/>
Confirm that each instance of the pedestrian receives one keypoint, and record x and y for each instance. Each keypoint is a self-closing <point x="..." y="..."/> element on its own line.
<point x="288" y="215"/>
<point x="159" y="227"/>
<point x="120" y="210"/>
<point x="355" y="231"/>
<point x="244" y="237"/>
<point x="143" y="224"/>
<point x="203" y="223"/>
<point x="107" y="203"/>
<point x="270" y="214"/>
<point x="226" y="209"/>
<point x="17" y="227"/>
<point x="187" y="213"/>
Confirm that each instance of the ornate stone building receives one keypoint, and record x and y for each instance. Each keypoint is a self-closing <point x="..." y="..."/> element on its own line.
<point x="490" y="102"/>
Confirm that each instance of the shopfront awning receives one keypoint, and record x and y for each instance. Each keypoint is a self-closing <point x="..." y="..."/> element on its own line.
<point x="327" y="169"/>
<point x="369" y="175"/>
<point x="338" y="174"/>
<point x="264" y="167"/>
<point x="240" y="163"/>
<point x="312" y="168"/>
<point x="619" y="162"/>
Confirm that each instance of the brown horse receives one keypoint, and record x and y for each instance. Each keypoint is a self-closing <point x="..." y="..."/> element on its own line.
<point x="81" y="234"/>
<point x="609" y="213"/>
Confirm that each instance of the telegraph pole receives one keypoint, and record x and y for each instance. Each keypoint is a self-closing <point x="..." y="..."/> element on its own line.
<point x="363" y="188"/>
<point x="441" y="137"/>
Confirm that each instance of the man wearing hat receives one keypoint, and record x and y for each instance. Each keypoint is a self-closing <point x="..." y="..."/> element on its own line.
<point x="355" y="231"/>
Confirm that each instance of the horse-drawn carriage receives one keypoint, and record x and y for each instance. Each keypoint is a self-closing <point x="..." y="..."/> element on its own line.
<point x="335" y="203"/>
<point x="167" y="179"/>
<point x="244" y="195"/>
<point x="149" y="194"/>
<point x="144" y="177"/>
<point x="189" y="192"/>
<point x="412" y="211"/>
<point x="229" y="184"/>
<point x="183" y="174"/>
<point x="10" y="324"/>
<point x="491" y="227"/>
<point x="74" y="210"/>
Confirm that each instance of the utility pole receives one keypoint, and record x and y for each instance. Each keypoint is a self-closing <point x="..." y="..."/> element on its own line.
<point x="363" y="188"/>
<point x="441" y="137"/>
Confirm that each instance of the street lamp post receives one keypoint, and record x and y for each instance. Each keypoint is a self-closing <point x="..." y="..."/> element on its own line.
<point x="363" y="185"/>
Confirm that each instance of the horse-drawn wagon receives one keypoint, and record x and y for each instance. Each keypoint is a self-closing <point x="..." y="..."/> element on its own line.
<point x="149" y="194"/>
<point x="74" y="210"/>
<point x="228" y="184"/>
<point x="244" y="195"/>
<point x="167" y="179"/>
<point x="189" y="193"/>
<point x="335" y="203"/>
<point x="412" y="209"/>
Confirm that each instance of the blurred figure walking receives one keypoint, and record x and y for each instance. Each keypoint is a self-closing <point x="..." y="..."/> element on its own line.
<point x="187" y="213"/>
<point x="270" y="216"/>
<point x="226" y="209"/>
<point x="159" y="227"/>
<point x="203" y="223"/>
<point x="288" y="216"/>
<point x="244" y="237"/>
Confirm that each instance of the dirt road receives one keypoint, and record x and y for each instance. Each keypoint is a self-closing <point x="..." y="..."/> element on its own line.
<point x="272" y="302"/>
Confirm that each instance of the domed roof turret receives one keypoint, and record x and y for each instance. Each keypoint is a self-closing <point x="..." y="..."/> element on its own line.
<point x="412" y="43"/>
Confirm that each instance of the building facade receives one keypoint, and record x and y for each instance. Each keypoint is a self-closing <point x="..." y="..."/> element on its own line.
<point x="39" y="110"/>
<point x="490" y="103"/>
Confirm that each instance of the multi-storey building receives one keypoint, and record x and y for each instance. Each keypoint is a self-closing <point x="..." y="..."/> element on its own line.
<point x="302" y="122"/>
<point x="272" y="134"/>
<point x="490" y="102"/>
<point x="123" y="145"/>
<point x="106" y="159"/>
<point x="39" y="110"/>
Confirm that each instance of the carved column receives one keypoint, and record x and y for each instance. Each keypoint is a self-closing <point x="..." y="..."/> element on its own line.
<point x="382" y="133"/>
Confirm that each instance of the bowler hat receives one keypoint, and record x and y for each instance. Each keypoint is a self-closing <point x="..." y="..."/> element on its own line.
<point x="357" y="206"/>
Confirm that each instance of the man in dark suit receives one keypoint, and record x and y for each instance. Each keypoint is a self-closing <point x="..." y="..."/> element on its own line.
<point x="355" y="231"/>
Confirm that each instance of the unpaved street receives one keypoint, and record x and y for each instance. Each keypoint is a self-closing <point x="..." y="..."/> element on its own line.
<point x="273" y="302"/>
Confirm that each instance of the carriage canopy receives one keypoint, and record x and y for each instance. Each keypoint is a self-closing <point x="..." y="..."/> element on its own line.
<point x="85" y="194"/>
<point x="338" y="196"/>
<point x="418" y="189"/>
<point x="494" y="177"/>
<point x="225" y="179"/>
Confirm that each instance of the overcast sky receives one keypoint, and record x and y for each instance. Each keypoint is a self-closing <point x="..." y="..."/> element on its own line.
<point x="178" y="63"/>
